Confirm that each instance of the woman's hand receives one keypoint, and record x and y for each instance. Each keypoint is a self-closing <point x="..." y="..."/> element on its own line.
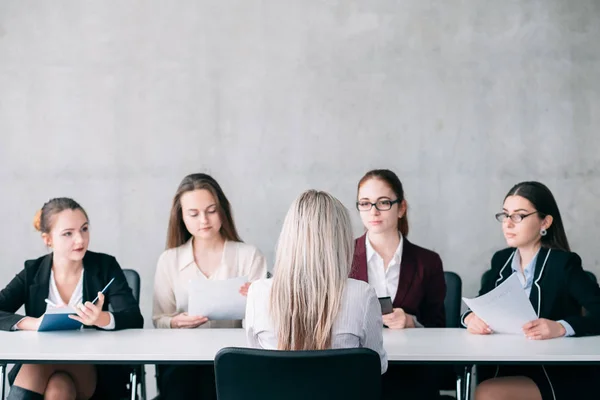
<point x="476" y="325"/>
<point x="542" y="328"/>
<point x="91" y="314"/>
<point x="185" y="321"/>
<point x="398" y="319"/>
<point x="29" y="324"/>
<point x="244" y="289"/>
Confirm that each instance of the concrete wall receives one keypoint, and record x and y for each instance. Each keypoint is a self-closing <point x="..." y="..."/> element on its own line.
<point x="113" y="102"/>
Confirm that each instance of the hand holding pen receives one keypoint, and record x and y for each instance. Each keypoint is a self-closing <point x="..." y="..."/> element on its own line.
<point x="90" y="313"/>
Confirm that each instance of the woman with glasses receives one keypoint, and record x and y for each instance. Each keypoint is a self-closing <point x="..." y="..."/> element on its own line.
<point x="410" y="276"/>
<point x="558" y="288"/>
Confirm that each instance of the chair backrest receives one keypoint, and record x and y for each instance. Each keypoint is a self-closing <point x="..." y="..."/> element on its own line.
<point x="293" y="375"/>
<point x="453" y="299"/>
<point x="133" y="279"/>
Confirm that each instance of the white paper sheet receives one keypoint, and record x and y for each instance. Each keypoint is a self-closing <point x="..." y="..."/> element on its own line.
<point x="218" y="299"/>
<point x="506" y="308"/>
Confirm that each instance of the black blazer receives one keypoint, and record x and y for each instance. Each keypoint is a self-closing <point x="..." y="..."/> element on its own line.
<point x="30" y="288"/>
<point x="560" y="288"/>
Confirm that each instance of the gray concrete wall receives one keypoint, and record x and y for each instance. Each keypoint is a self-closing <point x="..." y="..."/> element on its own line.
<point x="113" y="102"/>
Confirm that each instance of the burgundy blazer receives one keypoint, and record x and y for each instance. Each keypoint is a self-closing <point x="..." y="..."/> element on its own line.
<point x="422" y="287"/>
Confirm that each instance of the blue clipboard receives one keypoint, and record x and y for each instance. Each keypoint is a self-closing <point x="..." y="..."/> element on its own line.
<point x="58" y="320"/>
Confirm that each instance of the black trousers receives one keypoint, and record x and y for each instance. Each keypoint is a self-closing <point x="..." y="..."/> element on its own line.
<point x="177" y="382"/>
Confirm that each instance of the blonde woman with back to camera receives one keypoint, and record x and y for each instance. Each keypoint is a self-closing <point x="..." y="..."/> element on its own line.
<point x="313" y="261"/>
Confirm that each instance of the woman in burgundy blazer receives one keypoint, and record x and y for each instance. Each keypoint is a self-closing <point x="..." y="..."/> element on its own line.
<point x="421" y="288"/>
<point x="410" y="275"/>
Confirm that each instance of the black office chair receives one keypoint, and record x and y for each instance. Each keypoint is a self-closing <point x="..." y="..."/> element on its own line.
<point x="349" y="374"/>
<point x="138" y="373"/>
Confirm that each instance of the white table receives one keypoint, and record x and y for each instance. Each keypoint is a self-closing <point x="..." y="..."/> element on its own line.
<point x="410" y="346"/>
<point x="151" y="346"/>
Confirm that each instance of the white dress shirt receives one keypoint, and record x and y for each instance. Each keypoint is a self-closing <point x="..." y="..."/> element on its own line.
<point x="358" y="323"/>
<point x="74" y="301"/>
<point x="384" y="280"/>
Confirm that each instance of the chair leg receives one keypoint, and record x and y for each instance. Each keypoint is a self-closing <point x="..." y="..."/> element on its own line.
<point x="2" y="380"/>
<point x="134" y="383"/>
<point x="143" y="382"/>
<point x="459" y="385"/>
<point x="467" y="382"/>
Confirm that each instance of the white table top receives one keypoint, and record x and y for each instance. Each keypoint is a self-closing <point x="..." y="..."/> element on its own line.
<point x="186" y="346"/>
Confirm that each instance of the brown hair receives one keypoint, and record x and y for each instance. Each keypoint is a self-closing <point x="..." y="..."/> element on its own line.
<point x="43" y="219"/>
<point x="177" y="233"/>
<point x="392" y="180"/>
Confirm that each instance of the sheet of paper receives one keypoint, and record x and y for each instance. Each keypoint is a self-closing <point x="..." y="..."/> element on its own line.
<point x="506" y="308"/>
<point x="218" y="299"/>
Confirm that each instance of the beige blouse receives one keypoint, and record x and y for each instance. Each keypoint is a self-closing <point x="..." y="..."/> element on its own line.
<point x="176" y="267"/>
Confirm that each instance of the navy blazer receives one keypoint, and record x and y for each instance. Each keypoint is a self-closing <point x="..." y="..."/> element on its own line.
<point x="560" y="288"/>
<point x="30" y="288"/>
<point x="421" y="288"/>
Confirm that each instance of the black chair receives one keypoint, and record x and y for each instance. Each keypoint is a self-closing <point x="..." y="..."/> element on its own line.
<point x="453" y="299"/>
<point x="451" y="377"/>
<point x="138" y="374"/>
<point x="293" y="375"/>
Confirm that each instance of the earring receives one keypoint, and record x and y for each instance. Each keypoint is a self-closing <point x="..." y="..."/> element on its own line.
<point x="543" y="232"/>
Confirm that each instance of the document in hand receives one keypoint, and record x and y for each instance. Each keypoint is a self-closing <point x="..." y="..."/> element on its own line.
<point x="218" y="299"/>
<point x="506" y="308"/>
<point x="57" y="319"/>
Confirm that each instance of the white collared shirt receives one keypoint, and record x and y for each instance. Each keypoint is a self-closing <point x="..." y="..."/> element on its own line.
<point x="176" y="268"/>
<point x="384" y="280"/>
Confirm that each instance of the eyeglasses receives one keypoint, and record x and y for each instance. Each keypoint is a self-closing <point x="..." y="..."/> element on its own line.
<point x="516" y="218"/>
<point x="381" y="205"/>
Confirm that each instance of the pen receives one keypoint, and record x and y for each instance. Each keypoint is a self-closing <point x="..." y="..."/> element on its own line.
<point x="103" y="290"/>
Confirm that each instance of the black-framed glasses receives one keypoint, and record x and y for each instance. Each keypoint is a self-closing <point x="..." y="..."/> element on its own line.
<point x="381" y="205"/>
<point x="516" y="218"/>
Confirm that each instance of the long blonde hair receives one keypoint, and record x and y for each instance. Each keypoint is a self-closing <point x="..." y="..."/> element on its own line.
<point x="312" y="264"/>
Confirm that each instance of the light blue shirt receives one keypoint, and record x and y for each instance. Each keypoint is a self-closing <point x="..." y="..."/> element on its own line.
<point x="526" y="279"/>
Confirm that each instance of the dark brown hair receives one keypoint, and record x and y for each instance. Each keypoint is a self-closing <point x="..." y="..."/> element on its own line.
<point x="177" y="233"/>
<point x="542" y="199"/>
<point x="44" y="218"/>
<point x="392" y="180"/>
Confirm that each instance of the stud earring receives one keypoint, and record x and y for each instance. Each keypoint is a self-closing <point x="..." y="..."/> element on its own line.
<point x="543" y="232"/>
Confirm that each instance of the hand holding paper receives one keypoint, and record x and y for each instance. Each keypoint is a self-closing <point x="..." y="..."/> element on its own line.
<point x="506" y="309"/>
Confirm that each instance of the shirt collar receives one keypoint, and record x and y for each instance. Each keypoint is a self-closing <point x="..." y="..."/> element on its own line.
<point x="186" y="254"/>
<point x="529" y="268"/>
<point x="372" y="253"/>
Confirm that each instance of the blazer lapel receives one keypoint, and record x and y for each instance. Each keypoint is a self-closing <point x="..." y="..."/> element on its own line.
<point x="408" y="269"/>
<point x="540" y="267"/>
<point x="38" y="290"/>
<point x="92" y="281"/>
<point x="359" y="264"/>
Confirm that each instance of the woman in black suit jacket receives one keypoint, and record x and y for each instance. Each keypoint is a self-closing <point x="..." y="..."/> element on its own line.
<point x="558" y="289"/>
<point x="72" y="276"/>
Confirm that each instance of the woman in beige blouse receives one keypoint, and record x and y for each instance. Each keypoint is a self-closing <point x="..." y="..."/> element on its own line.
<point x="202" y="243"/>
